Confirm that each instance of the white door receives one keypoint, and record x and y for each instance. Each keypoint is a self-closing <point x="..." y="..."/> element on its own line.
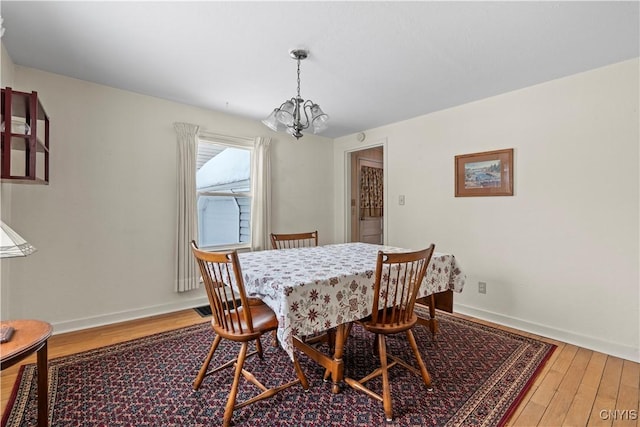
<point x="371" y="230"/>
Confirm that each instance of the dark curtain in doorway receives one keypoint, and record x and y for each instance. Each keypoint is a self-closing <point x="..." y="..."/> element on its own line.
<point x="371" y="192"/>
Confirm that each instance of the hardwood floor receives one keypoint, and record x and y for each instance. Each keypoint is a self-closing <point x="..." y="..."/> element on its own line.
<point x="577" y="387"/>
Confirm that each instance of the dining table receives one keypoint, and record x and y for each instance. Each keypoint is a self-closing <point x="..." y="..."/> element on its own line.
<point x="324" y="288"/>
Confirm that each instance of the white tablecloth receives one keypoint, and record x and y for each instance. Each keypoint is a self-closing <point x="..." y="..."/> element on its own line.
<point x="314" y="289"/>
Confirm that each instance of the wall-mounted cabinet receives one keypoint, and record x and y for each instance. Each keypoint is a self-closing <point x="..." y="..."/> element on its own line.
<point x="25" y="138"/>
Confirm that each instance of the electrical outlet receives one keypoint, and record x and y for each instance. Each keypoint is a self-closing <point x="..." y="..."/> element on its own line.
<point x="482" y="287"/>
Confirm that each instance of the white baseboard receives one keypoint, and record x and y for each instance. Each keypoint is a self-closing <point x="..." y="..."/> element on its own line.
<point x="122" y="316"/>
<point x="591" y="343"/>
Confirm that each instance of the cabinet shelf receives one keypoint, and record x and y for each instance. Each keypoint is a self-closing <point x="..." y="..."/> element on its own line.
<point x="20" y="142"/>
<point x="25" y="155"/>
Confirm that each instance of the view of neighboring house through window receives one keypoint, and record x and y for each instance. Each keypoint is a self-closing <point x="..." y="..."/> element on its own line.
<point x="223" y="183"/>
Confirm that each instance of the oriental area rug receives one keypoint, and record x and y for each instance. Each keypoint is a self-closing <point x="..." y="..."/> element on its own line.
<point x="479" y="375"/>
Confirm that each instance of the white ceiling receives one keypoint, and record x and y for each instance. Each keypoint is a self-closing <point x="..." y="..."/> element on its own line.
<point x="370" y="63"/>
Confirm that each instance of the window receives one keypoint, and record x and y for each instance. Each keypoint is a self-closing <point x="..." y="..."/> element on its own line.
<point x="223" y="186"/>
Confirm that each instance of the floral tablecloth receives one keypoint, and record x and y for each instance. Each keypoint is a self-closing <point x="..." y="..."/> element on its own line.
<point x="314" y="289"/>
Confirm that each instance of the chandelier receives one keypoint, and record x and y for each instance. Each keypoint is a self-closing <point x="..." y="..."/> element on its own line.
<point x="289" y="116"/>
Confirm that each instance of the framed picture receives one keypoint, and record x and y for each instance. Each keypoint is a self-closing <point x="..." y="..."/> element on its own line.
<point x="485" y="174"/>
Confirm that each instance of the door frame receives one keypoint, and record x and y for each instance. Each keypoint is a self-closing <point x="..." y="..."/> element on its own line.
<point x="342" y="154"/>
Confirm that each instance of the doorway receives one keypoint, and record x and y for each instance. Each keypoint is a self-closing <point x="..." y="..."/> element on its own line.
<point x="366" y="196"/>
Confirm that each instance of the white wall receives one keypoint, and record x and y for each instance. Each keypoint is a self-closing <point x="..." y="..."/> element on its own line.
<point x="561" y="256"/>
<point x="104" y="227"/>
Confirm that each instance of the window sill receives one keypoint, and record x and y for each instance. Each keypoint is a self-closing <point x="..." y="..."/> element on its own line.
<point x="240" y="247"/>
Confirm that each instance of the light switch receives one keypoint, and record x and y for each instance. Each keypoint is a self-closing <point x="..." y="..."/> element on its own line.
<point x="401" y="199"/>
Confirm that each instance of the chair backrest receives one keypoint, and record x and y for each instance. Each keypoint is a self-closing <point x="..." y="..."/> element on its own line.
<point x="223" y="282"/>
<point x="294" y="240"/>
<point x="397" y="282"/>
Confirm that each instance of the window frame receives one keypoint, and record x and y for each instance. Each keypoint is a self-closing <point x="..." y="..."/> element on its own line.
<point x="231" y="142"/>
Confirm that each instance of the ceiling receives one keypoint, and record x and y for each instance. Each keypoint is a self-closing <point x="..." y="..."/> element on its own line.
<point x="370" y="63"/>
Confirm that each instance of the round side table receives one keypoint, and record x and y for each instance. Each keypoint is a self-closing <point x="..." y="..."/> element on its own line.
<point x="29" y="336"/>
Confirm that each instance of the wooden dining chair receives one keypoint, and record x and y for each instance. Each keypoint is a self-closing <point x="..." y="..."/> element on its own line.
<point x="236" y="318"/>
<point x="294" y="240"/>
<point x="397" y="281"/>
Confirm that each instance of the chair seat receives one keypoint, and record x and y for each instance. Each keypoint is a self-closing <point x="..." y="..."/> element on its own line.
<point x="263" y="320"/>
<point x="388" y="328"/>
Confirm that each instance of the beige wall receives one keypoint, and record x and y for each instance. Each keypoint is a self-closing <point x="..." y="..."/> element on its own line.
<point x="104" y="227"/>
<point x="561" y="256"/>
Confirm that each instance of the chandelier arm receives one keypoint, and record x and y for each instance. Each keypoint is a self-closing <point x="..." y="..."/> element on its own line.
<point x="306" y="108"/>
<point x="282" y="105"/>
<point x="306" y="120"/>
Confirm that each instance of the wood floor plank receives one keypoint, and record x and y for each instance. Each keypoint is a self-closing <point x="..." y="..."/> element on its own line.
<point x="530" y="415"/>
<point x="605" y="402"/>
<point x="627" y="402"/>
<point x="547" y="389"/>
<point x="582" y="405"/>
<point x="563" y="397"/>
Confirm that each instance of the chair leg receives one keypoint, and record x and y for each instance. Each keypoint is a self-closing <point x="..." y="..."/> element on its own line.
<point x="300" y="373"/>
<point x="386" y="390"/>
<point x="259" y="348"/>
<point x="203" y="370"/>
<point x="423" y="369"/>
<point x="228" y="410"/>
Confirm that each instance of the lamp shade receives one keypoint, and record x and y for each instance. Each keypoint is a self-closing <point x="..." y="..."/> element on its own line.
<point x="285" y="113"/>
<point x="319" y="118"/>
<point x="11" y="244"/>
<point x="272" y="122"/>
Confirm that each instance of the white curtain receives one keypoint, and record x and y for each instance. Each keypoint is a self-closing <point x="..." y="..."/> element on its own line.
<point x="261" y="192"/>
<point x="187" y="276"/>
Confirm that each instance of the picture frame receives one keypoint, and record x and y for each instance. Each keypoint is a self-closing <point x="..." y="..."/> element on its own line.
<point x="489" y="173"/>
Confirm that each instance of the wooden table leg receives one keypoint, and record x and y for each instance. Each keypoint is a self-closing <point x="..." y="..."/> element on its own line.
<point x="433" y="322"/>
<point x="337" y="371"/>
<point x="43" y="386"/>
<point x="334" y="365"/>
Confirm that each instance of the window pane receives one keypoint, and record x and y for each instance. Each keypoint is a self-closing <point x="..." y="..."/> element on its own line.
<point x="228" y="169"/>
<point x="223" y="220"/>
